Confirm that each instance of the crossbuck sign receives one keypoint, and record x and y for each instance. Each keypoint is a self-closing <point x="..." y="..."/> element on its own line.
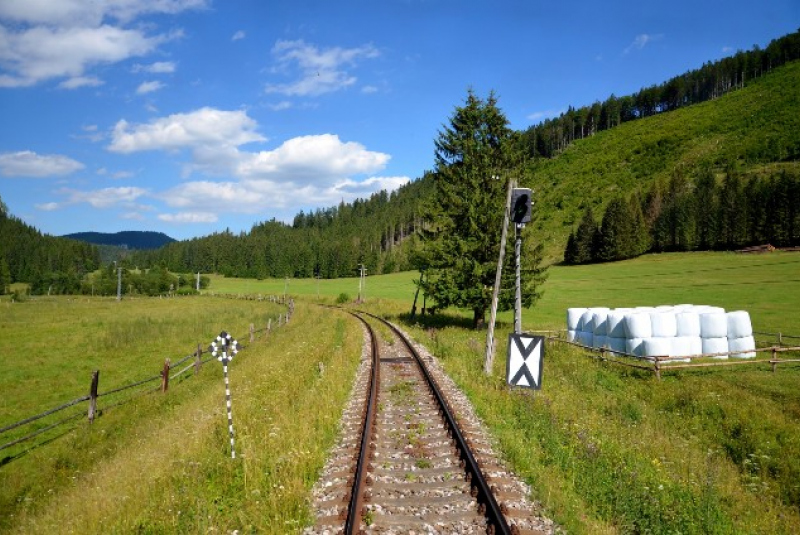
<point x="525" y="355"/>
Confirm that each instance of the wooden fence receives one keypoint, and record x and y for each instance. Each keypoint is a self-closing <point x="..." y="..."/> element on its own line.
<point x="164" y="376"/>
<point x="658" y="364"/>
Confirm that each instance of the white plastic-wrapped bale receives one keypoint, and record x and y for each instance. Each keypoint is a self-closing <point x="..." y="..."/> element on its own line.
<point x="657" y="347"/>
<point x="742" y="348"/>
<point x="663" y="325"/>
<point x="635" y="346"/>
<point x="584" y="338"/>
<point x="688" y="324"/>
<point x="615" y="324"/>
<point x="599" y="341"/>
<point x="571" y="335"/>
<point x="599" y="319"/>
<point x="637" y="325"/>
<point x="739" y="325"/>
<point x="711" y="346"/>
<point x="587" y="323"/>
<point x="665" y="308"/>
<point x="574" y="318"/>
<point x="714" y="325"/>
<point x="618" y="345"/>
<point x="683" y="346"/>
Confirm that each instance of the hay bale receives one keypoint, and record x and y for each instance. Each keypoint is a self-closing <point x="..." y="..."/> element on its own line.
<point x="715" y="345"/>
<point x="574" y="318"/>
<point x="572" y="335"/>
<point x="688" y="324"/>
<point x="599" y="340"/>
<point x="739" y="325"/>
<point x="714" y="325"/>
<point x="615" y="324"/>
<point x="684" y="346"/>
<point x="618" y="345"/>
<point x="584" y="338"/>
<point x="587" y="323"/>
<point x="599" y="322"/>
<point x="657" y="347"/>
<point x="634" y="346"/>
<point x="637" y="325"/>
<point x="742" y="348"/>
<point x="663" y="325"/>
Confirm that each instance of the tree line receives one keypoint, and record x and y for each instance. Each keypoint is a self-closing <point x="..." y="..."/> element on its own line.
<point x="26" y="253"/>
<point x="329" y="243"/>
<point x="681" y="215"/>
<point x="708" y="82"/>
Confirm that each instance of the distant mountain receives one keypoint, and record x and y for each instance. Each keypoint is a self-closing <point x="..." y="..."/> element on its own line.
<point x="129" y="239"/>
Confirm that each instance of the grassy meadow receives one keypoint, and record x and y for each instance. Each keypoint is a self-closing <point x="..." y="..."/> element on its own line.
<point x="606" y="449"/>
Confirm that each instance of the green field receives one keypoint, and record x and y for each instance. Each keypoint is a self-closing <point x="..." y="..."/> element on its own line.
<point x="606" y="449"/>
<point x="767" y="285"/>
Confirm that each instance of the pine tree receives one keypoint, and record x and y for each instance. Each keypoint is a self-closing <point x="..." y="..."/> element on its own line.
<point x="465" y="216"/>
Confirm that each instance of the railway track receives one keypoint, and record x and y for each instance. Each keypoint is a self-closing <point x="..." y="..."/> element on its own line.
<point x="413" y="458"/>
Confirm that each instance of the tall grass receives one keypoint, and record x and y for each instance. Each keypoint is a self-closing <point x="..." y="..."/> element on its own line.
<point x="162" y="463"/>
<point x="606" y="449"/>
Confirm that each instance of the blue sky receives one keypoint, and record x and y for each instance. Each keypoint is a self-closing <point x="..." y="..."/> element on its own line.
<point x="193" y="116"/>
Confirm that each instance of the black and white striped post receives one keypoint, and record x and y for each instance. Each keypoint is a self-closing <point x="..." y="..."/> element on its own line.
<point x="224" y="347"/>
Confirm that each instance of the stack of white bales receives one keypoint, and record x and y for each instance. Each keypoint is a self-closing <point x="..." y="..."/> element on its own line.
<point x="673" y="331"/>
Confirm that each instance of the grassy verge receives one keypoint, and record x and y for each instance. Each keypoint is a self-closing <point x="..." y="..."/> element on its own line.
<point x="610" y="450"/>
<point x="162" y="464"/>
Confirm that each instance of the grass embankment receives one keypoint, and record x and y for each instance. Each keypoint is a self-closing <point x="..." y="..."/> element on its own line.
<point x="162" y="463"/>
<point x="610" y="450"/>
<point x="606" y="449"/>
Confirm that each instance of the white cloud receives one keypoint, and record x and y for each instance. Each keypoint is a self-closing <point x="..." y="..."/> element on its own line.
<point x="149" y="87"/>
<point x="319" y="169"/>
<point x="29" y="164"/>
<point x="80" y="81"/>
<point x="48" y="206"/>
<point x="368" y="89"/>
<point x="134" y="216"/>
<point x="641" y="40"/>
<point x="89" y="13"/>
<point x="46" y="39"/>
<point x="189" y="217"/>
<point x="238" y="35"/>
<point x="159" y="67"/>
<point x="280" y="106"/>
<point x="206" y="127"/>
<point x="317" y="71"/>
<point x="104" y="198"/>
<point x="544" y="114"/>
<point x="42" y="53"/>
<point x="319" y="158"/>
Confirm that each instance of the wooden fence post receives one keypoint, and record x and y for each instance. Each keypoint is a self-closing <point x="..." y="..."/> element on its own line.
<point x="93" y="395"/>
<point x="657" y="368"/>
<point x="280" y="319"/>
<point x="269" y="326"/>
<point x="774" y="362"/>
<point x="197" y="359"/>
<point x="252" y="332"/>
<point x="165" y="376"/>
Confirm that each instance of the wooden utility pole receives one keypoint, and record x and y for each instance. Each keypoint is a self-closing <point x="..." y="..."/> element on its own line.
<point x="489" y="360"/>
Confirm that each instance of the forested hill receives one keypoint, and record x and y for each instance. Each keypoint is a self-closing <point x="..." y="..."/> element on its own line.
<point x="131" y="239"/>
<point x="26" y="254"/>
<point x="753" y="131"/>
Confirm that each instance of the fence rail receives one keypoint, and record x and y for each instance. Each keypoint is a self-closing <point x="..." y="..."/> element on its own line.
<point x="165" y="376"/>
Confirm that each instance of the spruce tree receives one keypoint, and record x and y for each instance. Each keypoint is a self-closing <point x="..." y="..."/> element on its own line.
<point x="475" y="155"/>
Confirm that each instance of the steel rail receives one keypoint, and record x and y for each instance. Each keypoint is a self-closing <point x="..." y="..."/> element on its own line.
<point x="353" y="522"/>
<point x="485" y="496"/>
